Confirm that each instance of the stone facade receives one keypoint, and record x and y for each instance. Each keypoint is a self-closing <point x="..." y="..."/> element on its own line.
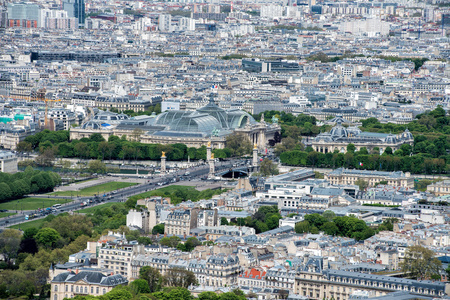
<point x="71" y="284"/>
<point x="339" y="137"/>
<point x="349" y="177"/>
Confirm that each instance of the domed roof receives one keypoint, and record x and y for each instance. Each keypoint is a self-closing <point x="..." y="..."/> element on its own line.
<point x="339" y="131"/>
<point x="195" y="123"/>
<point x="213" y="110"/>
<point x="391" y="139"/>
<point x="91" y="125"/>
<point x="354" y="131"/>
<point x="324" y="137"/>
<point x="407" y="135"/>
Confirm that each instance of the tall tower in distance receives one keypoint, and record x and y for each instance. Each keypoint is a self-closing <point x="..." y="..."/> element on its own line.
<point x="75" y="9"/>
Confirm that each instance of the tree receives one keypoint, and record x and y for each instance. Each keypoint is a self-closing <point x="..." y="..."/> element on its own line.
<point x="178" y="277"/>
<point x="208" y="296"/>
<point x="170" y="241"/>
<point x="46" y="158"/>
<point x="420" y="263"/>
<point x="239" y="144"/>
<point x="9" y="244"/>
<point x="329" y="215"/>
<point x="24" y="147"/>
<point x="302" y="227"/>
<point x="47" y="237"/>
<point x="140" y="286"/>
<point x="223" y="221"/>
<point x="158" y="229"/>
<point x="267" y="167"/>
<point x="152" y="276"/>
<point x="362" y="184"/>
<point x="191" y="243"/>
<point x="351" y="148"/>
<point x="96" y="166"/>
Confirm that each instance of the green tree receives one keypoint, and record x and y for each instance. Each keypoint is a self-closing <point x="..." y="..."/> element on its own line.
<point x="420" y="263"/>
<point x="177" y="277"/>
<point x="153" y="278"/>
<point x="208" y="296"/>
<point x="302" y="227"/>
<point x="239" y="144"/>
<point x="362" y="184"/>
<point x="47" y="237"/>
<point x="267" y="167"/>
<point x="96" y="166"/>
<point x="159" y="228"/>
<point x="9" y="244"/>
<point x="329" y="215"/>
<point x="223" y="221"/>
<point x="351" y="148"/>
<point x="170" y="241"/>
<point x="140" y="286"/>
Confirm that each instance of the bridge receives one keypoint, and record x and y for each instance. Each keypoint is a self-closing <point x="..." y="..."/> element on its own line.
<point x="234" y="173"/>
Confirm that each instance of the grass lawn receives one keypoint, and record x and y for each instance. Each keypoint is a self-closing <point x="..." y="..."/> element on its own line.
<point x="91" y="191"/>
<point x="92" y="209"/>
<point x="26" y="225"/>
<point x="31" y="203"/>
<point x="6" y="214"/>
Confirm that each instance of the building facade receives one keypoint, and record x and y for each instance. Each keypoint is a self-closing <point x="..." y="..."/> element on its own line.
<point x="349" y="177"/>
<point x="84" y="283"/>
<point x="339" y="137"/>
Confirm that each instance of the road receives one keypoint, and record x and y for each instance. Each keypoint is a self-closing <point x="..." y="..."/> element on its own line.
<point x="121" y="195"/>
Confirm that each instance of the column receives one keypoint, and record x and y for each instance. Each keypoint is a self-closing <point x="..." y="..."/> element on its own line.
<point x="255" y="157"/>
<point x="208" y="151"/>
<point x="163" y="162"/>
<point x="211" y="162"/>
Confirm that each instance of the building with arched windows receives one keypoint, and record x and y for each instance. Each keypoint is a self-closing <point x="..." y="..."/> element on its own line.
<point x="83" y="283"/>
<point x="339" y="137"/>
<point x="192" y="128"/>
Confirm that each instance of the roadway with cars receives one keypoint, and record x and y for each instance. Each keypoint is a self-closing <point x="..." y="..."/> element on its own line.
<point x="121" y="195"/>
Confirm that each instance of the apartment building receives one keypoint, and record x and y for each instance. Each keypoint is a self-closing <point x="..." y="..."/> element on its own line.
<point x="340" y="285"/>
<point x="118" y="257"/>
<point x="180" y="222"/>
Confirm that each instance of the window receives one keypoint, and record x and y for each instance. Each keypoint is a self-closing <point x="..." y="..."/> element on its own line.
<point x="104" y="291"/>
<point x="85" y="290"/>
<point x="97" y="290"/>
<point x="76" y="289"/>
<point x="56" y="288"/>
<point x="55" y="297"/>
<point x="92" y="289"/>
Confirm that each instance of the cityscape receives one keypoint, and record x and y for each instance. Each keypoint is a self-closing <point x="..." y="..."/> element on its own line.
<point x="225" y="149"/>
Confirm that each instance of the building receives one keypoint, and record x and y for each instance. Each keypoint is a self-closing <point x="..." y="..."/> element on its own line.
<point x="92" y="283"/>
<point x="165" y="23"/>
<point x="75" y="9"/>
<point x="339" y="284"/>
<point x="23" y="14"/>
<point x="221" y="270"/>
<point x="8" y="162"/>
<point x="186" y="24"/>
<point x="180" y="222"/>
<point x="193" y="128"/>
<point x="349" y="177"/>
<point x="262" y="66"/>
<point x="339" y="137"/>
<point x="118" y="257"/>
<point x="440" y="188"/>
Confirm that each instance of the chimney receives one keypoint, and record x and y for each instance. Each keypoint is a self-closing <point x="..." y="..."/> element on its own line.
<point x="184" y="235"/>
<point x="165" y="234"/>
<point x="76" y="271"/>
